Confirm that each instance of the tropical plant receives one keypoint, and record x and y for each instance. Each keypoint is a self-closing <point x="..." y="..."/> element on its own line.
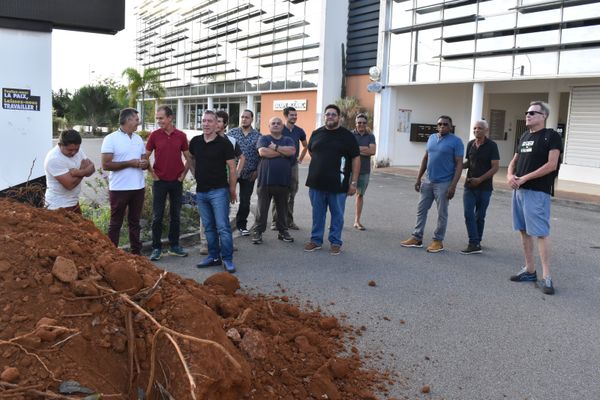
<point x="61" y="101"/>
<point x="349" y="108"/>
<point x="94" y="106"/>
<point x="147" y="82"/>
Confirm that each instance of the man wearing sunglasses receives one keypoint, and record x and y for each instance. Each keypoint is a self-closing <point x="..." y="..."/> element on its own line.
<point x="443" y="164"/>
<point x="531" y="175"/>
<point x="366" y="144"/>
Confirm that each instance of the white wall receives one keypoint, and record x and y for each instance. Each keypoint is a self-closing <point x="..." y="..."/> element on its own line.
<point x="27" y="135"/>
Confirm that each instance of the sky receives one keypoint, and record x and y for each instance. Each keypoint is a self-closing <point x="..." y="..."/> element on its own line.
<point x="79" y="59"/>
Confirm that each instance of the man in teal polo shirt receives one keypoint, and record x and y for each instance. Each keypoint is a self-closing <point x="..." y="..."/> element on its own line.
<point x="443" y="163"/>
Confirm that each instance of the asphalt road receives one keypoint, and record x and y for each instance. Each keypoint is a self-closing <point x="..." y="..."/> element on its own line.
<point x="447" y="320"/>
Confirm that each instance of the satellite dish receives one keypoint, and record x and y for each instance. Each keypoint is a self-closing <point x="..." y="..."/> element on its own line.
<point x="375" y="87"/>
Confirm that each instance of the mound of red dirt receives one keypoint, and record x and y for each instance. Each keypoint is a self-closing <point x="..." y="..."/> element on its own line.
<point x="82" y="318"/>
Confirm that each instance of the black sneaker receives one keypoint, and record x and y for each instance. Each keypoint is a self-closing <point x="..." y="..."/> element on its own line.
<point x="285" y="236"/>
<point x="545" y="285"/>
<point x="472" y="249"/>
<point x="244" y="232"/>
<point x="524" y="276"/>
<point x="257" y="238"/>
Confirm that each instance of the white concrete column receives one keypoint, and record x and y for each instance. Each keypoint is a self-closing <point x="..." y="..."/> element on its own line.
<point x="180" y="117"/>
<point x="554" y="103"/>
<point x="250" y="103"/>
<point x="210" y="103"/>
<point x="476" y="105"/>
<point x="333" y="34"/>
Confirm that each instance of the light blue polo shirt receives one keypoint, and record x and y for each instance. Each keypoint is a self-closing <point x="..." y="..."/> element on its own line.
<point x="442" y="152"/>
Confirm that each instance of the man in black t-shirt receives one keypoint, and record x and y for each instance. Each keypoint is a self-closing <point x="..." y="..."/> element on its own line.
<point x="332" y="175"/>
<point x="212" y="157"/>
<point x="531" y="175"/>
<point x="277" y="154"/>
<point x="482" y="160"/>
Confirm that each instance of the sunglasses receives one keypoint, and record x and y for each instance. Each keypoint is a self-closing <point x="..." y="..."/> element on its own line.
<point x="361" y="123"/>
<point x="532" y="113"/>
<point x="442" y="124"/>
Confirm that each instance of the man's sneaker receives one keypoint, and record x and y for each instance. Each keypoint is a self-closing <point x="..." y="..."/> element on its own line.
<point x="524" y="276"/>
<point x="411" y="242"/>
<point x="257" y="238"/>
<point x="335" y="249"/>
<point x="244" y="232"/>
<point x="293" y="226"/>
<point x="209" y="262"/>
<point x="155" y="255"/>
<point x="177" y="251"/>
<point x="273" y="226"/>
<point x="285" y="236"/>
<point x="229" y="266"/>
<point x="545" y="285"/>
<point x="435" y="247"/>
<point x="472" y="249"/>
<point x="310" y="246"/>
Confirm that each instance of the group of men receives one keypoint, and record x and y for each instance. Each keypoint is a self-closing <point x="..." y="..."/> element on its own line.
<point x="340" y="167"/>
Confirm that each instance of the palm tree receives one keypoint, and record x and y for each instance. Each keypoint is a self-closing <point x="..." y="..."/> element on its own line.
<point x="147" y="82"/>
<point x="93" y="106"/>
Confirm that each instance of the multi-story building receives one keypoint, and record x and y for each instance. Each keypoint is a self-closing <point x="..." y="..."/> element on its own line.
<point x="474" y="59"/>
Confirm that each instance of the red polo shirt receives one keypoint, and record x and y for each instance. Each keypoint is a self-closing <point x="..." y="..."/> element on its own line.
<point x="168" y="164"/>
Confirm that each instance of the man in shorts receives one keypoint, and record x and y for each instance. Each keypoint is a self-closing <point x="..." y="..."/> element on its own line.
<point x="367" y="147"/>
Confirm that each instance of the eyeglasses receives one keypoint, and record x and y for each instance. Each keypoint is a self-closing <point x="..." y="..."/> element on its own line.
<point x="361" y="123"/>
<point x="442" y="124"/>
<point x="532" y="113"/>
<point x="331" y="114"/>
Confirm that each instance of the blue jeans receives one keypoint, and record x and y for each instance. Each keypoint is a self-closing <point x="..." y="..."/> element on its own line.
<point x="429" y="193"/>
<point x="214" y="211"/>
<point x="336" y="202"/>
<point x="475" y="204"/>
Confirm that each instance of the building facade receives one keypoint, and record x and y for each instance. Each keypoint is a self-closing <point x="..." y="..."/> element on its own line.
<point x="474" y="59"/>
<point x="260" y="55"/>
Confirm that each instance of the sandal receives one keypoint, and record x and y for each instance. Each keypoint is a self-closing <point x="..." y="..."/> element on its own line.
<point x="359" y="226"/>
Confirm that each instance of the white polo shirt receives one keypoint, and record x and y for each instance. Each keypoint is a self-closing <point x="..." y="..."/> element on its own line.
<point x="57" y="164"/>
<point x="124" y="148"/>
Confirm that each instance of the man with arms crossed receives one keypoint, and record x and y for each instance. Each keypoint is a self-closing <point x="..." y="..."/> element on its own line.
<point x="332" y="175"/>
<point x="531" y="175"/>
<point x="482" y="161"/>
<point x="274" y="177"/>
<point x="66" y="166"/>
<point x="367" y="147"/>
<point x="443" y="163"/>
<point x="212" y="158"/>
<point x="298" y="135"/>
<point x="124" y="155"/>
<point x="168" y="173"/>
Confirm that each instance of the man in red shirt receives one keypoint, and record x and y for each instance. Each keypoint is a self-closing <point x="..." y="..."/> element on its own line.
<point x="168" y="173"/>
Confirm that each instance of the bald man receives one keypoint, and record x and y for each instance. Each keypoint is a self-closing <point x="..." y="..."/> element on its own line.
<point x="277" y="156"/>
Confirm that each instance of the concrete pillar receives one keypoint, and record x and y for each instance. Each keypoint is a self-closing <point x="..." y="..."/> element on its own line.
<point x="476" y="105"/>
<point x="249" y="103"/>
<point x="210" y="103"/>
<point x="554" y="103"/>
<point x="180" y="117"/>
<point x="333" y="35"/>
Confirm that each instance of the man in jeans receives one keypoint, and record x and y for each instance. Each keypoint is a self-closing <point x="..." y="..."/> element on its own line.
<point x="332" y="175"/>
<point x="299" y="137"/>
<point x="482" y="162"/>
<point x="123" y="154"/>
<point x="213" y="166"/>
<point x="443" y="163"/>
<point x="168" y="173"/>
<point x="274" y="177"/>
<point x="246" y="136"/>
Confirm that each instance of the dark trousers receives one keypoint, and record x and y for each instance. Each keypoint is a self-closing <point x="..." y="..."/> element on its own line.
<point x="133" y="202"/>
<point x="246" y="189"/>
<point x="291" y="197"/>
<point x="280" y="195"/>
<point x="160" y="191"/>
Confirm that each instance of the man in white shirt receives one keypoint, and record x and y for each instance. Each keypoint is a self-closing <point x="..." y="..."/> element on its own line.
<point x="124" y="155"/>
<point x="66" y="166"/>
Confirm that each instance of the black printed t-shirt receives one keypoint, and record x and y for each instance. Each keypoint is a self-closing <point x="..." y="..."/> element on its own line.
<point x="480" y="161"/>
<point x="533" y="153"/>
<point x="210" y="162"/>
<point x="331" y="153"/>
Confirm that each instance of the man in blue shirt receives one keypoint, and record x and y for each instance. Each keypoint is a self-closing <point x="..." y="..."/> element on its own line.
<point x="298" y="136"/>
<point x="443" y="163"/>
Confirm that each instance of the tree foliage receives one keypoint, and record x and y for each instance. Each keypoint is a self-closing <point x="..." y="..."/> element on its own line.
<point x="93" y="105"/>
<point x="349" y="108"/>
<point x="145" y="83"/>
<point x="61" y="102"/>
